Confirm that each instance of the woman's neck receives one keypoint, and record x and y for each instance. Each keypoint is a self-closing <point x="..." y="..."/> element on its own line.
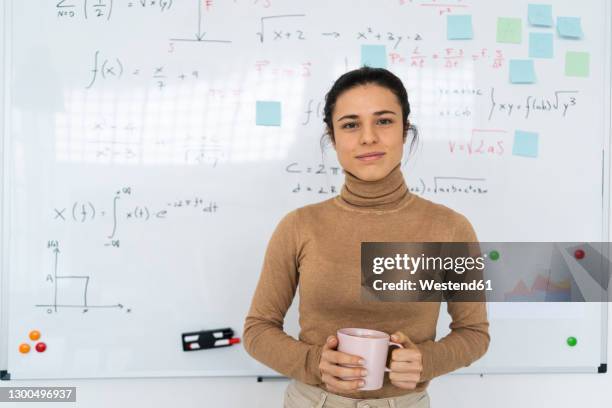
<point x="384" y="193"/>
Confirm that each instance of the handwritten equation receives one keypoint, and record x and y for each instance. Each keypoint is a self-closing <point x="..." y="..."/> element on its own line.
<point x="441" y="8"/>
<point x="559" y="102"/>
<point x="123" y="142"/>
<point x="450" y="185"/>
<point x="313" y="187"/>
<point x="110" y="69"/>
<point x="103" y="9"/>
<point x="488" y="142"/>
<point x="439" y="184"/>
<point x="448" y="58"/>
<point x="85" y="211"/>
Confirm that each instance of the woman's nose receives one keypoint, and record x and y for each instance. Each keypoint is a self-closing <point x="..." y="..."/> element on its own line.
<point x="368" y="135"/>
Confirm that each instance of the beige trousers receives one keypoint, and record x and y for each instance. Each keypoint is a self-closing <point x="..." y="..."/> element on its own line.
<point x="301" y="395"/>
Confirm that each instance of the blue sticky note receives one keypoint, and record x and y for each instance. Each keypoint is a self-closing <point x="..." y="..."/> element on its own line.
<point x="525" y="144"/>
<point x="569" y="27"/>
<point x="540" y="15"/>
<point x="374" y="56"/>
<point x="540" y="45"/>
<point x="459" y="27"/>
<point x="522" y="72"/>
<point x="268" y="113"/>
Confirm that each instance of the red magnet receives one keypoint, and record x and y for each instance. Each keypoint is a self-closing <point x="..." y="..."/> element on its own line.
<point x="579" y="254"/>
<point x="40" y="347"/>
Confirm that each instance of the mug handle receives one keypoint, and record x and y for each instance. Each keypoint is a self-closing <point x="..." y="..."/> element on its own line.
<point x="387" y="369"/>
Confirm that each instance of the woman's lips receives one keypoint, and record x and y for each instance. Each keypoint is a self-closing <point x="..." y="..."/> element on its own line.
<point x="371" y="157"/>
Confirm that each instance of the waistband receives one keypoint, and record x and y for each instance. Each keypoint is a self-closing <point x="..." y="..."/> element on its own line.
<point x="326" y="397"/>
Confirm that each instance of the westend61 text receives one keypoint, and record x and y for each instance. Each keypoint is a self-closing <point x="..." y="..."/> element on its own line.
<point x="429" y="285"/>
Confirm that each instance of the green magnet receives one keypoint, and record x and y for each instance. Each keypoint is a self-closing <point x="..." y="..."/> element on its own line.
<point x="571" y="341"/>
<point x="494" y="255"/>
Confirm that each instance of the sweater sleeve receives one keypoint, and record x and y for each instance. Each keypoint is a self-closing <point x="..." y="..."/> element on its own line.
<point x="263" y="334"/>
<point x="469" y="337"/>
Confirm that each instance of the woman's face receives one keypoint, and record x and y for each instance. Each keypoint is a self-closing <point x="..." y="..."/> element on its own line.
<point x="367" y="119"/>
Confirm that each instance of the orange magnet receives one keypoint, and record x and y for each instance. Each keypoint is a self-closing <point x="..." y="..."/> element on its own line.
<point x="34" y="335"/>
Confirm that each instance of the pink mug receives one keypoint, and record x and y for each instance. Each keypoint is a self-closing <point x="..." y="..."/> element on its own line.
<point x="370" y="345"/>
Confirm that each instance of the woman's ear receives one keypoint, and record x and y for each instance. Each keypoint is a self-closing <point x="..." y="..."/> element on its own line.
<point x="406" y="130"/>
<point x="331" y="138"/>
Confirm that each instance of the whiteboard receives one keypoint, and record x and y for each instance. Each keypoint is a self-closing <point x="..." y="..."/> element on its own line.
<point x="140" y="193"/>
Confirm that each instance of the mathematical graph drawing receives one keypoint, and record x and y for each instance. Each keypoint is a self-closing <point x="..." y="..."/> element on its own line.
<point x="199" y="36"/>
<point x="55" y="277"/>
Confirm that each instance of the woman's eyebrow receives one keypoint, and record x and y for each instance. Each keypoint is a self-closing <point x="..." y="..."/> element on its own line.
<point x="382" y="112"/>
<point x="377" y="113"/>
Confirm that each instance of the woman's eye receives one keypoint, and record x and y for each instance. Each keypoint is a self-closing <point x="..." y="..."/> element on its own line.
<point x="353" y="125"/>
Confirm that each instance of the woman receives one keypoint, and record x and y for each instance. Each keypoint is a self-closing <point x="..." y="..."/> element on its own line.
<point x="318" y="246"/>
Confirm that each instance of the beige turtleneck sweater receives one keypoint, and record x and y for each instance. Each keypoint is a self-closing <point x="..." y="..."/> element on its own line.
<point x="316" y="249"/>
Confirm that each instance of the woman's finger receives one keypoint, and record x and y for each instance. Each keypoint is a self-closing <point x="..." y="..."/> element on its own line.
<point x="340" y="371"/>
<point x="405" y="367"/>
<point x="339" y="357"/>
<point x="401" y="338"/>
<point x="346" y="372"/>
<point x="406" y="355"/>
<point x="400" y="377"/>
<point x="349" y="385"/>
<point x="331" y="343"/>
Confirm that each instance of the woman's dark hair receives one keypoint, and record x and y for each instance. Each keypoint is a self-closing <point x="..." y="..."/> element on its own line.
<point x="362" y="76"/>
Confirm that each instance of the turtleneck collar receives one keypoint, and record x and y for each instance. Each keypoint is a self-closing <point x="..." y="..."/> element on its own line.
<point x="385" y="193"/>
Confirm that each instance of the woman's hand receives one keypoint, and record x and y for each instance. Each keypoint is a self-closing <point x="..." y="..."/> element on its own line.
<point x="406" y="364"/>
<point x="331" y="371"/>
